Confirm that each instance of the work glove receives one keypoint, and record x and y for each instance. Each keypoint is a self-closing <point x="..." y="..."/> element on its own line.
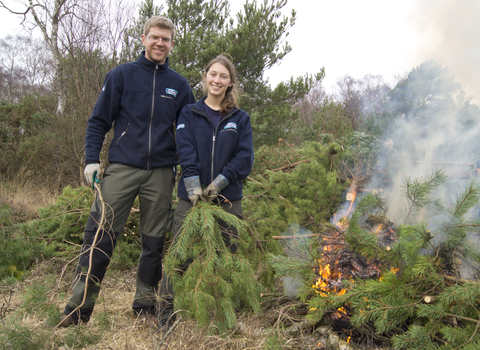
<point x="196" y="195"/>
<point x="90" y="169"/>
<point x="215" y="187"/>
<point x="194" y="191"/>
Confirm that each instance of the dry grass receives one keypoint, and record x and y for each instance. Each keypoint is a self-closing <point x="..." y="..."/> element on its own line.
<point x="24" y="194"/>
<point x="115" y="328"/>
<point x="113" y="321"/>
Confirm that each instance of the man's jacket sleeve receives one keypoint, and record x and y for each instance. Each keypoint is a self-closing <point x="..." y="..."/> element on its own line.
<point x="103" y="116"/>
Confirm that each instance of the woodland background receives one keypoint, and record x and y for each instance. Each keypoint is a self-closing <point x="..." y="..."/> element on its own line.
<point x="311" y="148"/>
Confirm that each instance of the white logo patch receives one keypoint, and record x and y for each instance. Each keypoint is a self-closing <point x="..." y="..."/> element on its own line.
<point x="172" y="92"/>
<point x="230" y="126"/>
<point x="180" y="126"/>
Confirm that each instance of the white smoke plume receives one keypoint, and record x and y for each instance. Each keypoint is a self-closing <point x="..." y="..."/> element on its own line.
<point x="451" y="28"/>
<point x="444" y="143"/>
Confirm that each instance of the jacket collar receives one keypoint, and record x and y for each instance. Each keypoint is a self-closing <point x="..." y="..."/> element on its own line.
<point x="146" y="63"/>
<point x="200" y="107"/>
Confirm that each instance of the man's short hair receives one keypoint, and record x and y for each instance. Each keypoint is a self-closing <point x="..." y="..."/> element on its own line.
<point x="160" y="22"/>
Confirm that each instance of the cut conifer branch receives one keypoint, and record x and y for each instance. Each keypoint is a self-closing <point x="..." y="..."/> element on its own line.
<point x="215" y="280"/>
<point x="352" y="191"/>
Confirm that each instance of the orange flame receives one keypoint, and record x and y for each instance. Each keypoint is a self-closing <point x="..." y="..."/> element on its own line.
<point x="322" y="285"/>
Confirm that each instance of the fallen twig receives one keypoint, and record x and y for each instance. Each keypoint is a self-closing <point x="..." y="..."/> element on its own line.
<point x="293" y="165"/>
<point x="167" y="334"/>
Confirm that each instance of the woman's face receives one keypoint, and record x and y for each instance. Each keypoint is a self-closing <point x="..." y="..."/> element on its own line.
<point x="218" y="80"/>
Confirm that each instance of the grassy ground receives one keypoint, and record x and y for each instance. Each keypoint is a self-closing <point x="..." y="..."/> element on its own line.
<point x="40" y="295"/>
<point x="26" y="307"/>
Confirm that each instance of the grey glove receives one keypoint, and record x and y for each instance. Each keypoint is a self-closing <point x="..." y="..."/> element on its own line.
<point x="197" y="194"/>
<point x="215" y="187"/>
<point x="194" y="191"/>
<point x="90" y="169"/>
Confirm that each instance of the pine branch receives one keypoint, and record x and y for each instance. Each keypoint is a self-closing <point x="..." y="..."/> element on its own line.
<point x="417" y="192"/>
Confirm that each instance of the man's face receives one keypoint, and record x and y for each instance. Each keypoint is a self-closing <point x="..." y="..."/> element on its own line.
<point x="158" y="44"/>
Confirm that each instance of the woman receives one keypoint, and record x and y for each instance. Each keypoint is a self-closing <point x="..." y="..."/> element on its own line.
<point x="214" y="142"/>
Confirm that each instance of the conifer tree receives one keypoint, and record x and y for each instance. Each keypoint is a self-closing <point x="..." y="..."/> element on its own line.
<point x="255" y="39"/>
<point x="132" y="39"/>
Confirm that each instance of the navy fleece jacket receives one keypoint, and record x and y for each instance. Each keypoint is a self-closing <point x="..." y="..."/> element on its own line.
<point x="142" y="100"/>
<point x="206" y="151"/>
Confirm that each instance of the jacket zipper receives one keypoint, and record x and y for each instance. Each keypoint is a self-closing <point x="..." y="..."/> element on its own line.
<point x="171" y="98"/>
<point x="214" y="139"/>
<point x="151" y="118"/>
<point x="202" y="113"/>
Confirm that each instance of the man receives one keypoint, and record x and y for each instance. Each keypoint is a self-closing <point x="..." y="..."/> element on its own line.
<point x="143" y="100"/>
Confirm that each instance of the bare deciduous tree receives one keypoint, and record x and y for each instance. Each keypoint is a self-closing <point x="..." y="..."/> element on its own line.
<point x="47" y="16"/>
<point x="26" y="66"/>
<point x="83" y="38"/>
<point x="362" y="98"/>
<point x="310" y="104"/>
<point x="350" y="97"/>
<point x="69" y="24"/>
<point x="374" y="92"/>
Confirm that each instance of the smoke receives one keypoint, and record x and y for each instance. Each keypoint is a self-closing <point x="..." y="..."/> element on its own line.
<point x="297" y="248"/>
<point x="435" y="129"/>
<point x="451" y="28"/>
<point x="291" y="285"/>
<point x="445" y="144"/>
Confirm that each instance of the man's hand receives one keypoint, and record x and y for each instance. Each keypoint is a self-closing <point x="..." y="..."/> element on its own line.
<point x="90" y="169"/>
<point x="211" y="192"/>
<point x="196" y="195"/>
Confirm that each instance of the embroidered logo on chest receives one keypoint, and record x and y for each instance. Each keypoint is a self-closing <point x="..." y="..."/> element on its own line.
<point x="180" y="126"/>
<point x="230" y="126"/>
<point x="172" y="92"/>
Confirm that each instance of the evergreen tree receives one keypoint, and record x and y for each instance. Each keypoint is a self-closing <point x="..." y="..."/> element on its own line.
<point x="427" y="90"/>
<point x="201" y="29"/>
<point x="132" y="40"/>
<point x="255" y="40"/>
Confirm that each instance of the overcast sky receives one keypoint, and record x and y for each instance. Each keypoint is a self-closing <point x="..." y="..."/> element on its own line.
<point x="379" y="37"/>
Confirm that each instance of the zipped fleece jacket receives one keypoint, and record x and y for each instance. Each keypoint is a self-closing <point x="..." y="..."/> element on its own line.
<point x="206" y="151"/>
<point x="143" y="100"/>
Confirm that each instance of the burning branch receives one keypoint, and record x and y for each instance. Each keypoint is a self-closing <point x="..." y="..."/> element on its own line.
<point x="352" y="191"/>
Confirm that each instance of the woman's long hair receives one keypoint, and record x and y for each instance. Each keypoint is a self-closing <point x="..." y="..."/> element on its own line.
<point x="232" y="94"/>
